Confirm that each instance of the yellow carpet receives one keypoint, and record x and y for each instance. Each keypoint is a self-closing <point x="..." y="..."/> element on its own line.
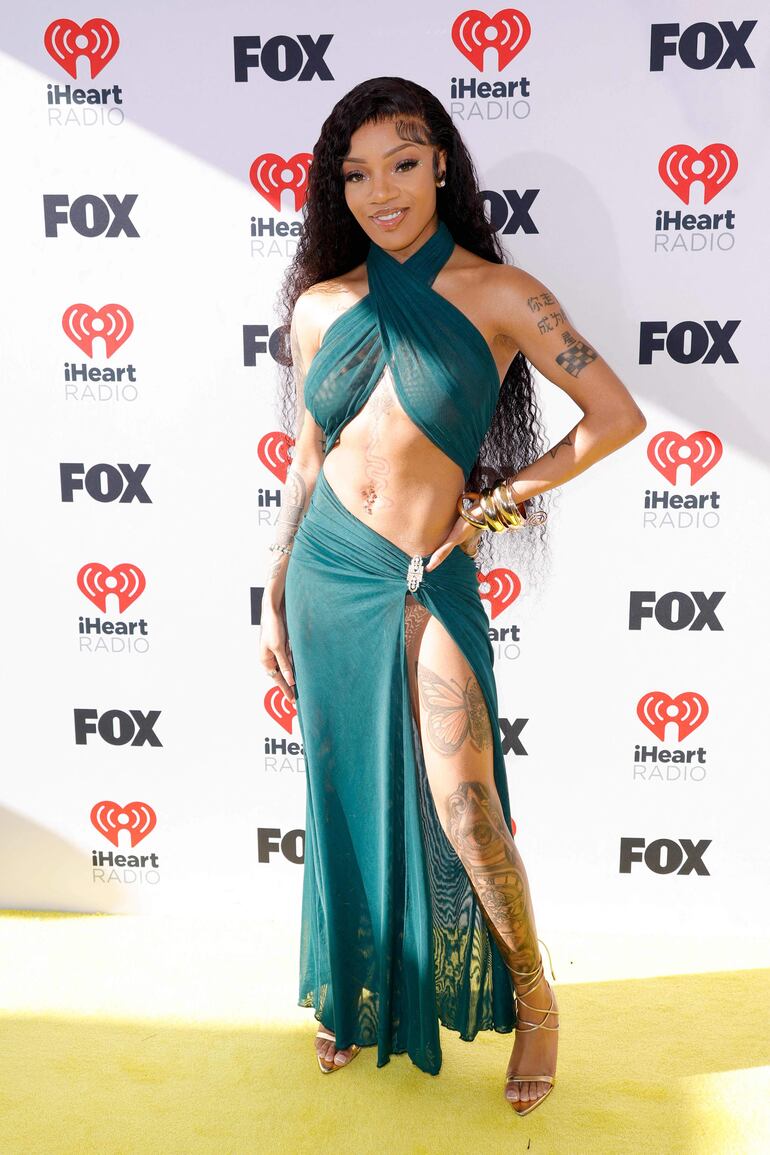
<point x="671" y="1064"/>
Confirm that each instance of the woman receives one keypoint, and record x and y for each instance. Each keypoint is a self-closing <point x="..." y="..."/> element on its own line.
<point x="409" y="346"/>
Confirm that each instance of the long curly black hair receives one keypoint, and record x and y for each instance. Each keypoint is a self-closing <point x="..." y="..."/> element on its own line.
<point x="332" y="243"/>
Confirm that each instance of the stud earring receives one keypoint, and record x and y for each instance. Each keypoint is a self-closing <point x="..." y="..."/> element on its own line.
<point x="442" y="182"/>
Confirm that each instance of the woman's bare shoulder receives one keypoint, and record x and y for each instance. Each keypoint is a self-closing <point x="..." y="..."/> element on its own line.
<point x="335" y="286"/>
<point x="490" y="271"/>
<point x="329" y="299"/>
<point x="511" y="282"/>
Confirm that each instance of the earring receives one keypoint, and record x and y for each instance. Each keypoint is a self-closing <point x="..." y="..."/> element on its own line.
<point x="442" y="182"/>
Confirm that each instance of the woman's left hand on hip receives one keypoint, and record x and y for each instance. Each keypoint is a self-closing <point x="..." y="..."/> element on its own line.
<point x="464" y="535"/>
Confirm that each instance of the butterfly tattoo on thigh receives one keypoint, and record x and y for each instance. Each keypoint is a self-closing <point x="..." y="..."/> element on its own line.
<point x="452" y="712"/>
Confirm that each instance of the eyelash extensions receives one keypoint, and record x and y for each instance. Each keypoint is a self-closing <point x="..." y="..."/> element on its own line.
<point x="412" y="163"/>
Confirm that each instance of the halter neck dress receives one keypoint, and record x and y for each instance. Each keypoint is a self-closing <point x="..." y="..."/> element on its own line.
<point x="393" y="940"/>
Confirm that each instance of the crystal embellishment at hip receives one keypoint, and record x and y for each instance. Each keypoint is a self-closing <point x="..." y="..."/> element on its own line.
<point x="414" y="573"/>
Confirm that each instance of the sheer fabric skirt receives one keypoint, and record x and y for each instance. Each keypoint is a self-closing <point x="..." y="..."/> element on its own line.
<point x="393" y="939"/>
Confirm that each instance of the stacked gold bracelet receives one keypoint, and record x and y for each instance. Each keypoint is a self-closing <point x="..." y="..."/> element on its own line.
<point x="495" y="508"/>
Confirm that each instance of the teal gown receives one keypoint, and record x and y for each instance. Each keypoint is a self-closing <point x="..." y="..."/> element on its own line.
<point x="393" y="939"/>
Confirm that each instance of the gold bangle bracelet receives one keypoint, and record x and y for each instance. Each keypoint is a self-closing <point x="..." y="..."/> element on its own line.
<point x="512" y="496"/>
<point x="508" y="510"/>
<point x="491" y="512"/>
<point x="496" y="508"/>
<point x="508" y="483"/>
<point x="509" y="518"/>
<point x="517" y="507"/>
<point x="503" y="514"/>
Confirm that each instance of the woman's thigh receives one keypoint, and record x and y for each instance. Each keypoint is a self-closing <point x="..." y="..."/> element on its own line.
<point x="450" y="712"/>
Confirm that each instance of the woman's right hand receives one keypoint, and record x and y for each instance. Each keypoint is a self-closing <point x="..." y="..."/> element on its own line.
<point x="275" y="649"/>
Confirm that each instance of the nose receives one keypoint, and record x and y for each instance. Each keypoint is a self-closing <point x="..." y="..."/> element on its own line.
<point x="382" y="189"/>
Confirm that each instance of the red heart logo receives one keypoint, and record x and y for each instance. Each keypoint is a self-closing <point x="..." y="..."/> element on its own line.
<point x="101" y="42"/>
<point x="113" y="323"/>
<point x="125" y="581"/>
<point x="668" y="450"/>
<point x="503" y="587"/>
<point x="110" y="818"/>
<point x="714" y="166"/>
<point x="657" y="709"/>
<point x="273" y="451"/>
<point x="280" y="708"/>
<point x="508" y="31"/>
<point x="270" y="174"/>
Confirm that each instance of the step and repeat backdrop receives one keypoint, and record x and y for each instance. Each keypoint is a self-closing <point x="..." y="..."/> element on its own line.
<point x="150" y="766"/>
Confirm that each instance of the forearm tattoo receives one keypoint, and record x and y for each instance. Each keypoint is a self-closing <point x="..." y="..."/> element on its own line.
<point x="564" y="441"/>
<point x="477" y="830"/>
<point x="451" y="713"/>
<point x="292" y="511"/>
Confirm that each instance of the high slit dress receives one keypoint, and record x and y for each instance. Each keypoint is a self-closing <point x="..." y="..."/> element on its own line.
<point x="393" y="939"/>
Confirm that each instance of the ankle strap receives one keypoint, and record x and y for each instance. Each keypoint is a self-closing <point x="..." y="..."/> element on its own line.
<point x="533" y="977"/>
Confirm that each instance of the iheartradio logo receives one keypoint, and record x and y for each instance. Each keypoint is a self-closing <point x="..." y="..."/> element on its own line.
<point x="270" y="174"/>
<point x="82" y="323"/>
<point x="109" y="818"/>
<point x="280" y="708"/>
<point x="504" y="586"/>
<point x="681" y="166"/>
<point x="125" y="581"/>
<point x="507" y="32"/>
<point x="688" y="710"/>
<point x="273" y="451"/>
<point x="700" y="451"/>
<point x="97" y="40"/>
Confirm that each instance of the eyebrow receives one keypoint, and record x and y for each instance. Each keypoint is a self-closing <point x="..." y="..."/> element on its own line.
<point x="358" y="160"/>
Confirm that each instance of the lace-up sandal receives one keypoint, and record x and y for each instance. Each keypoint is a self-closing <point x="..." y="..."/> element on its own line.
<point x="354" y="1049"/>
<point x="531" y="980"/>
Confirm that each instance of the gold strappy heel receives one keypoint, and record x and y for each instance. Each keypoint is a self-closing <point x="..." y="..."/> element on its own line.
<point x="533" y="978"/>
<point x="354" y="1049"/>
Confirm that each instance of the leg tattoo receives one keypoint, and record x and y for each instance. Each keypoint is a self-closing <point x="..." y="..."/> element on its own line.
<point x="473" y="819"/>
<point x="477" y="830"/>
<point x="452" y="712"/>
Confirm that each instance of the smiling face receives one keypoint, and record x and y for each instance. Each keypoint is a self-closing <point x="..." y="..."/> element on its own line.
<point x="383" y="173"/>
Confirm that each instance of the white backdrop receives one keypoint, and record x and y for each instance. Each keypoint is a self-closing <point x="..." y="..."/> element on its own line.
<point x="166" y="714"/>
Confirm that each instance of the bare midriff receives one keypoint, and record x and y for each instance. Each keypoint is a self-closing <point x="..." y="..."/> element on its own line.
<point x="383" y="468"/>
<point x="392" y="477"/>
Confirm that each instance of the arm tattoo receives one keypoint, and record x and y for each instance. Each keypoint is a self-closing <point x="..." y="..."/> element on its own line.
<point x="576" y="357"/>
<point x="565" y="441"/>
<point x="299" y="371"/>
<point x="550" y="321"/>
<point x="540" y="302"/>
<point x="292" y="511"/>
<point x="294" y="495"/>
